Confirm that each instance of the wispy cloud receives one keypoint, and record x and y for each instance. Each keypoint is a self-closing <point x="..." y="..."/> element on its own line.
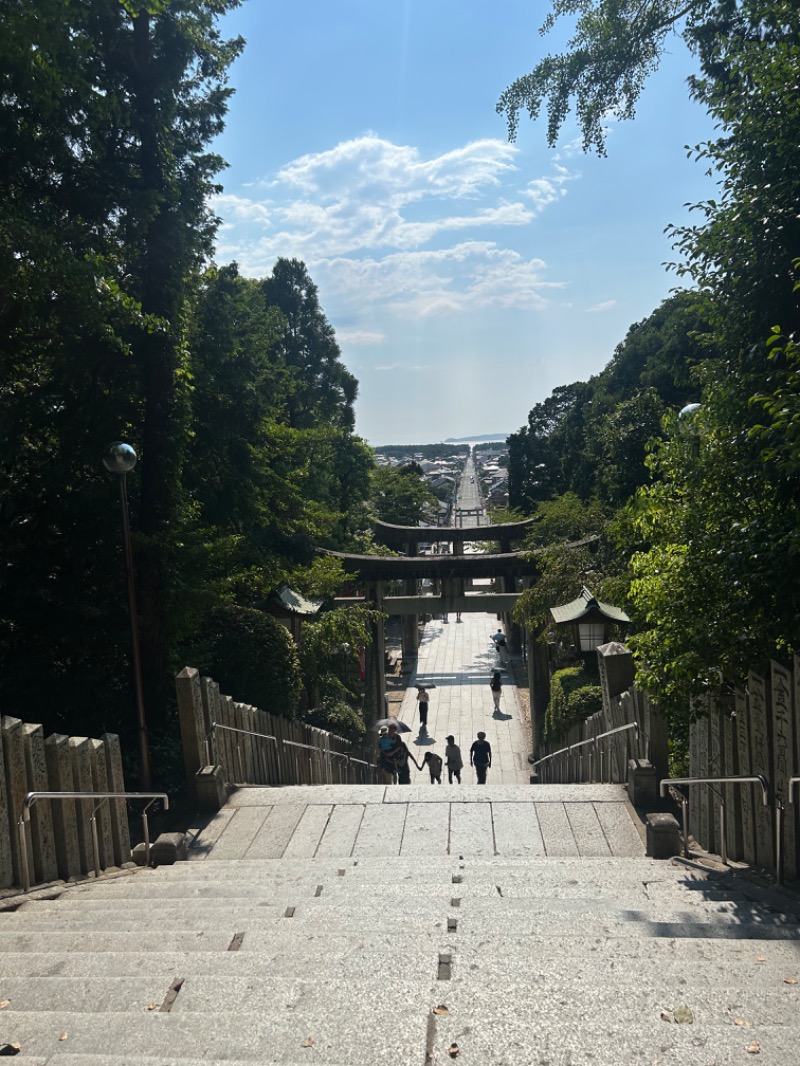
<point x="353" y="337"/>
<point x="375" y="222"/>
<point x="605" y="305"/>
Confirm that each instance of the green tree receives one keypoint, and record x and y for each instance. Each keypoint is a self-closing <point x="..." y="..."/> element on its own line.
<point x="715" y="590"/>
<point x="320" y="388"/>
<point x="615" y="46"/>
<point x="399" y="495"/>
<point x="105" y="113"/>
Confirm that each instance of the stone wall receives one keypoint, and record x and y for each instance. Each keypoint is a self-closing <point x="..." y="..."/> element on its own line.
<point x="59" y="838"/>
<point x="290" y="753"/>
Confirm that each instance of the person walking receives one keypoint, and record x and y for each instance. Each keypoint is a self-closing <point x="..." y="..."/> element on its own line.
<point x="398" y="756"/>
<point x="434" y="764"/>
<point x="452" y="755"/>
<point x="496" y="685"/>
<point x="480" y="756"/>
<point x="422" y="703"/>
<point x="499" y="639"/>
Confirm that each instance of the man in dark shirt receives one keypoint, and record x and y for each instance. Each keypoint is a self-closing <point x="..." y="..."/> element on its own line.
<point x="480" y="756"/>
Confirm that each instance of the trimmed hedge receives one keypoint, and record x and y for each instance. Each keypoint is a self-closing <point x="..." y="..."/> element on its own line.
<point x="574" y="696"/>
<point x="252" y="657"/>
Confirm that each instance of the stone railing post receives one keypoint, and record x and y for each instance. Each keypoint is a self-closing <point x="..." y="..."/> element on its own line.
<point x="193" y="735"/>
<point x="45" y="866"/>
<point x="6" y="828"/>
<point x="117" y="809"/>
<point x="65" y="815"/>
<point x="17" y="787"/>
<point x="81" y="763"/>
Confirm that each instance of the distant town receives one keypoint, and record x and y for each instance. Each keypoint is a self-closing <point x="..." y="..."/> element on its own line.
<point x="442" y="465"/>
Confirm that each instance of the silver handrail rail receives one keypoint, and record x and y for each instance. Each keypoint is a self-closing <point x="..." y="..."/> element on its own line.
<point x="611" y="733"/>
<point x="591" y="740"/>
<point x="552" y="755"/>
<point x="231" y="729"/>
<point x="737" y="779"/>
<point x="329" y="752"/>
<point x="32" y="797"/>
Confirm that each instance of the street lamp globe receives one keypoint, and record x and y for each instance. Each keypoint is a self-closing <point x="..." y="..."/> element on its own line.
<point x="120" y="458"/>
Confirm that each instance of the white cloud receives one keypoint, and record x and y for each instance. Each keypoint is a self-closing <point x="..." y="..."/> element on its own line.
<point x="605" y="305"/>
<point x="374" y="222"/>
<point x="355" y="337"/>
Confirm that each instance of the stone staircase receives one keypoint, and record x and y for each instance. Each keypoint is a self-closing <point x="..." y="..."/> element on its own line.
<point x="387" y="960"/>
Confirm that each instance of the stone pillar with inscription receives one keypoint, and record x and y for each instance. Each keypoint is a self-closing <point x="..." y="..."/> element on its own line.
<point x="616" y="669"/>
<point x="760" y="751"/>
<point x="6" y="829"/>
<point x="16" y="788"/>
<point x="783" y="746"/>
<point x="81" y="762"/>
<point x="45" y="867"/>
<point x="747" y="793"/>
<point x="193" y="733"/>
<point x="699" y="803"/>
<point x="117" y="809"/>
<point x="716" y="768"/>
<point x="97" y="755"/>
<point x="733" y="793"/>
<point x="65" y="816"/>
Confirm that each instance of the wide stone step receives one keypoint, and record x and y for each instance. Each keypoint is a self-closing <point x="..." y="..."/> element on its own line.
<point x="490" y="899"/>
<point x="350" y="1037"/>
<point x="522" y="1032"/>
<point x="680" y="961"/>
<point x="279" y="996"/>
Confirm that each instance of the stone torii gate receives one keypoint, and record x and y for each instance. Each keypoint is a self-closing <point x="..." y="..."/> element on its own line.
<point x="451" y="575"/>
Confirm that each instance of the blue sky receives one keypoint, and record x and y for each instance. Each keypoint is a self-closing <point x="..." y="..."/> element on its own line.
<point x="465" y="277"/>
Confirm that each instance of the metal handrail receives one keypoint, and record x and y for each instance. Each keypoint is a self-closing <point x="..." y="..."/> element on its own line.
<point x="32" y="797"/>
<point x="552" y="755"/>
<point x="738" y="779"/>
<point x="619" y="729"/>
<point x="328" y="752"/>
<point x="267" y="736"/>
<point x="231" y="729"/>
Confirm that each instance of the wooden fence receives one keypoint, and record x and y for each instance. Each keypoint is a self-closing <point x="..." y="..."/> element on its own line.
<point x="257" y="748"/>
<point x="59" y="843"/>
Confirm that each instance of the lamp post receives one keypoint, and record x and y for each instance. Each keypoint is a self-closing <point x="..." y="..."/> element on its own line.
<point x="120" y="459"/>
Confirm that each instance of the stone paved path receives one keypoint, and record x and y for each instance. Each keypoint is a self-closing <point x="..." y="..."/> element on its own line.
<point x="457" y="657"/>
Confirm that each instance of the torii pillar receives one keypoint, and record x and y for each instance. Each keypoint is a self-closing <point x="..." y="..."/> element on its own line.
<point x="375" y="657"/>
<point x="410" y="621"/>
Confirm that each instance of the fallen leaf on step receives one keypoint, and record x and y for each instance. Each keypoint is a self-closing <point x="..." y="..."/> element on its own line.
<point x="10" y="1049"/>
<point x="308" y="1042"/>
<point x="786" y="981"/>
<point x="453" y="1050"/>
<point x="441" y="1009"/>
<point x="753" y="1048"/>
<point x="152" y="1006"/>
<point x="63" y="1036"/>
<point x="4" y="1003"/>
<point x="683" y="1015"/>
<point x="742" y="1021"/>
<point x="665" y="1017"/>
<point x="761" y="958"/>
